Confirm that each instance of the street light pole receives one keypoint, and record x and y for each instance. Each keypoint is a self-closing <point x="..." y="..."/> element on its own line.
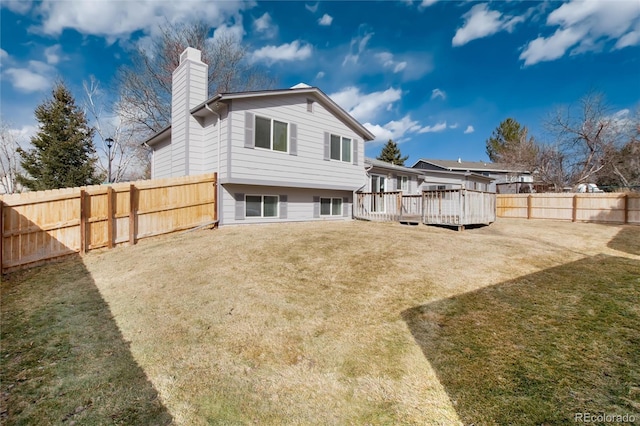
<point x="109" y="142"/>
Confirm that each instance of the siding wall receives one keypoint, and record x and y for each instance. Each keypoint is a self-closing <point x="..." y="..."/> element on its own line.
<point x="391" y="183"/>
<point x="300" y="203"/>
<point x="306" y="169"/>
<point x="189" y="88"/>
<point x="161" y="160"/>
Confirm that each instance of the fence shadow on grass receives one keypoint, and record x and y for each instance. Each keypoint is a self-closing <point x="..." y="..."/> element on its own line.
<point x="540" y="348"/>
<point x="64" y="360"/>
<point x="627" y="240"/>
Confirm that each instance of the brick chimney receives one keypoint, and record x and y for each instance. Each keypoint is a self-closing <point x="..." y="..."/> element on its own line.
<point x="188" y="89"/>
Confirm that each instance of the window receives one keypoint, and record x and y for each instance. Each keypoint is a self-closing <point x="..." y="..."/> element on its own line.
<point x="402" y="183"/>
<point x="271" y="134"/>
<point x="261" y="206"/>
<point x="330" y="206"/>
<point x="340" y="148"/>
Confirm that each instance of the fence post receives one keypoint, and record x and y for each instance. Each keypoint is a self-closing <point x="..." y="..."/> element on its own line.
<point x="399" y="203"/>
<point x="1" y="234"/>
<point x="83" y="221"/>
<point x="626" y="208"/>
<point x="110" y="217"/>
<point x="529" y="206"/>
<point x="574" y="213"/>
<point x="133" y="209"/>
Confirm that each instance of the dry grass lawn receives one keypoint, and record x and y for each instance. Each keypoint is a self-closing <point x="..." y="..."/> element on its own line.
<point x="310" y="323"/>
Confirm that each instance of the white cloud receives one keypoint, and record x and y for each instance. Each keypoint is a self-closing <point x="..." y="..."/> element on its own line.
<point x="360" y="43"/>
<point x="53" y="54"/>
<point x="364" y="107"/>
<point x="481" y="22"/>
<point x="387" y="61"/>
<point x="312" y="8"/>
<point x="437" y="93"/>
<point x="584" y="26"/>
<point x="469" y="129"/>
<point x="426" y="3"/>
<point x="320" y="74"/>
<point x="36" y="77"/>
<point x="3" y="55"/>
<point x="453" y="126"/>
<point x="24" y="134"/>
<point x="265" y="26"/>
<point x="293" y="51"/>
<point x="326" y="20"/>
<point x="395" y="130"/>
<point x="26" y="80"/>
<point x="434" y="129"/>
<point x="19" y="6"/>
<point x="117" y="19"/>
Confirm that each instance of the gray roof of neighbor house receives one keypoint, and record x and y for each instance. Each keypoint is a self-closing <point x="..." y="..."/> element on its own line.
<point x="385" y="165"/>
<point x="480" y="166"/>
<point x="316" y="93"/>
<point x="402" y="169"/>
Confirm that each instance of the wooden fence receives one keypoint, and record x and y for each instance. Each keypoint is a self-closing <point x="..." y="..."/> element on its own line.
<point x="601" y="207"/>
<point x="44" y="225"/>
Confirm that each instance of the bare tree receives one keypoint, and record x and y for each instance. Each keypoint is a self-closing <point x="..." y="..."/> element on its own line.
<point x="586" y="140"/>
<point x="145" y="86"/>
<point x="9" y="159"/>
<point x="128" y="157"/>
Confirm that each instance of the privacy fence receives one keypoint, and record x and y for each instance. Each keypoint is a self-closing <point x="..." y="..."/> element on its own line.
<point x="44" y="225"/>
<point x="601" y="207"/>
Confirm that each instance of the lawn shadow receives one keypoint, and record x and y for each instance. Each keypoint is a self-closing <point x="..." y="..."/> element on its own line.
<point x="626" y="240"/>
<point x="540" y="348"/>
<point x="63" y="357"/>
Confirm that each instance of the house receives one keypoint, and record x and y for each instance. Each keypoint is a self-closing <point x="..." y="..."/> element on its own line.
<point x="387" y="177"/>
<point x="280" y="155"/>
<point x="500" y="173"/>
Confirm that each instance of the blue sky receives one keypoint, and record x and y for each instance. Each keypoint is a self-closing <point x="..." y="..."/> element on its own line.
<point x="436" y="76"/>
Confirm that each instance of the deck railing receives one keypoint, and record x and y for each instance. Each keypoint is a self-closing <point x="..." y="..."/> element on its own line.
<point x="452" y="207"/>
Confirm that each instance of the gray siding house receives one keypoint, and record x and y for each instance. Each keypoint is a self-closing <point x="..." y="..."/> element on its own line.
<point x="499" y="173"/>
<point x="280" y="155"/>
<point x="386" y="177"/>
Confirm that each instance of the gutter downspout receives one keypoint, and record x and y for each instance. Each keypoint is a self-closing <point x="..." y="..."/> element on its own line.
<point x="219" y="192"/>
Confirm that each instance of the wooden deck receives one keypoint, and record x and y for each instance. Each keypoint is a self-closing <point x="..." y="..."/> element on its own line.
<point x="452" y="207"/>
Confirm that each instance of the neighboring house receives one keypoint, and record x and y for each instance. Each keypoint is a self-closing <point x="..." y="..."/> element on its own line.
<point x="500" y="173"/>
<point x="280" y="155"/>
<point x="387" y="177"/>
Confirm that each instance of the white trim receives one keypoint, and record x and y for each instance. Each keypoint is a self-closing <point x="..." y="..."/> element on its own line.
<point x="331" y="201"/>
<point x="262" y="216"/>
<point x="342" y="138"/>
<point x="272" y="130"/>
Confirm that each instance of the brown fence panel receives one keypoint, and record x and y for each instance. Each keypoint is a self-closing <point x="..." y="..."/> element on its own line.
<point x="43" y="225"/>
<point x="601" y="207"/>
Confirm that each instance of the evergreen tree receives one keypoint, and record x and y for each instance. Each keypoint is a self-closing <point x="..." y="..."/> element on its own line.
<point x="504" y="137"/>
<point x="63" y="154"/>
<point x="391" y="154"/>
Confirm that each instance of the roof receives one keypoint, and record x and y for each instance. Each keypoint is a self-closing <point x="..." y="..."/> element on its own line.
<point x="402" y="169"/>
<point x="385" y="165"/>
<point x="479" y="166"/>
<point x="316" y="93"/>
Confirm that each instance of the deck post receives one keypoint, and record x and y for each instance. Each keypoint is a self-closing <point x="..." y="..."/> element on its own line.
<point x="574" y="212"/>
<point x="529" y="206"/>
